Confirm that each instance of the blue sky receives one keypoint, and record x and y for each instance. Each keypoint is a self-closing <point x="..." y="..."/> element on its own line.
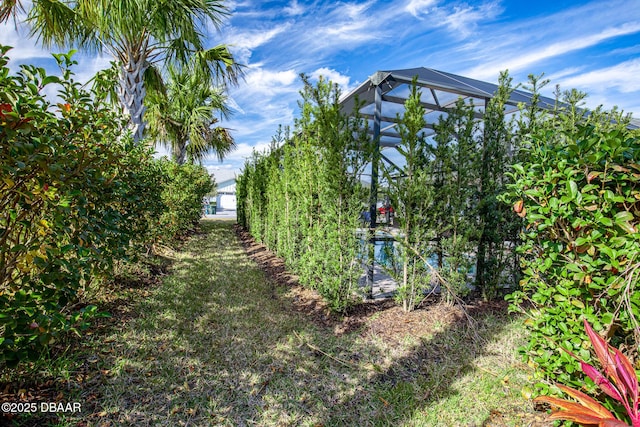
<point x="592" y="46"/>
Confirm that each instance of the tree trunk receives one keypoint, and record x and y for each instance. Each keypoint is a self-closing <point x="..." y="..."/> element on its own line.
<point x="180" y="153"/>
<point x="132" y="92"/>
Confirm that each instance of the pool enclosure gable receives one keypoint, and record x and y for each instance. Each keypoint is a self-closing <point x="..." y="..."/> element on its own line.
<point x="384" y="93"/>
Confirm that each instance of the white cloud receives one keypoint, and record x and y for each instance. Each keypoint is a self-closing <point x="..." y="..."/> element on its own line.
<point x="265" y="100"/>
<point x="463" y="20"/>
<point x="255" y="38"/>
<point x="520" y="45"/>
<point x="623" y="77"/>
<point x="91" y="65"/>
<point x="24" y="47"/>
<point x="244" y="151"/>
<point x="267" y="82"/>
<point x="333" y="75"/>
<point x="243" y="43"/>
<point x="419" y="7"/>
<point x="261" y="120"/>
<point x="558" y="48"/>
<point x="560" y="74"/>
<point x="294" y="9"/>
<point x="349" y="22"/>
<point x="231" y="103"/>
<point x="236" y="159"/>
<point x="460" y="19"/>
<point x="343" y="27"/>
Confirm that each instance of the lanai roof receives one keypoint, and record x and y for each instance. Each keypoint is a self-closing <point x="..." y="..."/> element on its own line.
<point x="440" y="91"/>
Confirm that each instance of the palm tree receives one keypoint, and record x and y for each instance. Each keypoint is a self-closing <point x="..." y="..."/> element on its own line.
<point x="183" y="115"/>
<point x="138" y="34"/>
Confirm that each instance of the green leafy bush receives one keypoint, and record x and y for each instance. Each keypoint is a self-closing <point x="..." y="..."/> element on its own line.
<point x="579" y="193"/>
<point x="184" y="188"/>
<point x="75" y="195"/>
<point x="445" y="196"/>
<point x="411" y="197"/>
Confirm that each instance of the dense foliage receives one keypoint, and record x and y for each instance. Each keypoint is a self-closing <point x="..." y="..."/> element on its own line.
<point x="578" y="188"/>
<point x="445" y="197"/>
<point x="616" y="379"/>
<point x="182" y="115"/>
<point x="76" y="195"/>
<point x="182" y="195"/>
<point x="140" y="35"/>
<point x="304" y="198"/>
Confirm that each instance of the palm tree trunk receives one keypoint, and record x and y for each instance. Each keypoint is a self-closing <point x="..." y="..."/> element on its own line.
<point x="180" y="153"/>
<point x="132" y="93"/>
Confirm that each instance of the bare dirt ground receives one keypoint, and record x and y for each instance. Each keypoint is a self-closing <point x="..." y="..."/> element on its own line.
<point x="383" y="317"/>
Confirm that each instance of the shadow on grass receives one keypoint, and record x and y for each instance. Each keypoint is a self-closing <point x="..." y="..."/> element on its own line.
<point x="423" y="386"/>
<point x="220" y="343"/>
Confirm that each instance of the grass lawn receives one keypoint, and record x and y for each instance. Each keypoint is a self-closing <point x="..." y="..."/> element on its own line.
<point x="220" y="343"/>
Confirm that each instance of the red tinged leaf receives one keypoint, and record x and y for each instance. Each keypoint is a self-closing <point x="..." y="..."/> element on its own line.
<point x="587" y="401"/>
<point x="519" y="209"/>
<point x="65" y="108"/>
<point x="518" y="206"/>
<point x="591" y="176"/>
<point x="627" y="374"/>
<point x="620" y="383"/>
<point x="3" y="108"/>
<point x="570" y="411"/>
<point x="604" y="356"/>
<point x="612" y="423"/>
<point x="601" y="381"/>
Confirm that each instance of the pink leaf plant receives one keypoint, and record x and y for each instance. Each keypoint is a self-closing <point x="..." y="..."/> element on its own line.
<point x="617" y="380"/>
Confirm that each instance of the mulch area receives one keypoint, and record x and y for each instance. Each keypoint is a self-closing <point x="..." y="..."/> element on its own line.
<point x="384" y="318"/>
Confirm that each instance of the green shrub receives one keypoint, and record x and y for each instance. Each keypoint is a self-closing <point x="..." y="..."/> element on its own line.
<point x="304" y="198"/>
<point x="184" y="188"/>
<point x="579" y="192"/>
<point x="618" y="380"/>
<point x="75" y="195"/>
<point x="411" y="196"/>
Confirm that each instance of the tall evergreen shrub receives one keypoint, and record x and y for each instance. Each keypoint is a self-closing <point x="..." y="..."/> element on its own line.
<point x="453" y="214"/>
<point x="303" y="199"/>
<point x="497" y="225"/>
<point x="410" y="195"/>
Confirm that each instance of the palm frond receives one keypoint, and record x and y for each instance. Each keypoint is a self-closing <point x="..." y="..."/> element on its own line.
<point x="10" y="8"/>
<point x="55" y="23"/>
<point x="187" y="114"/>
<point x="153" y="80"/>
<point x="221" y="64"/>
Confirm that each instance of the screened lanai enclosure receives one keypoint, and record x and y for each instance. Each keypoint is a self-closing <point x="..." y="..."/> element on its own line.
<point x="381" y="100"/>
<point x="393" y="188"/>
